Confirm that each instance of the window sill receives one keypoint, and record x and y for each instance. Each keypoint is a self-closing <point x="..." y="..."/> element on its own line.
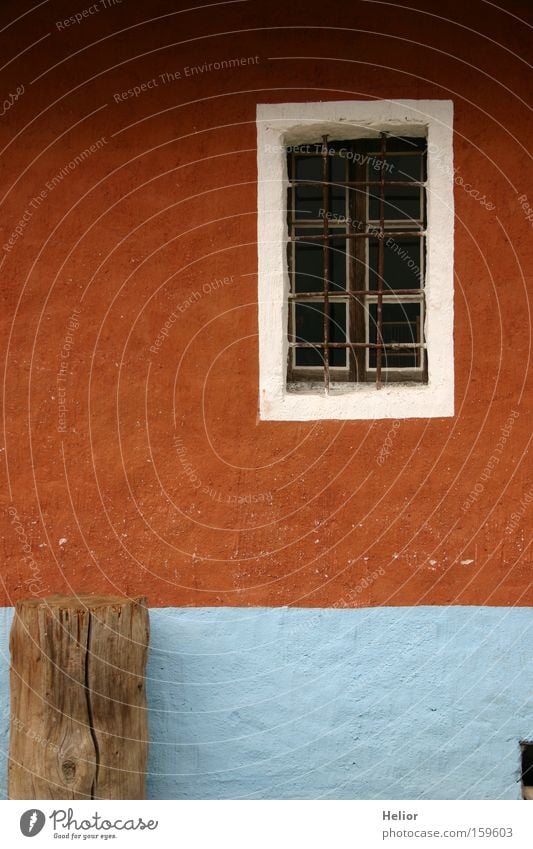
<point x="308" y="402"/>
<point x="316" y="387"/>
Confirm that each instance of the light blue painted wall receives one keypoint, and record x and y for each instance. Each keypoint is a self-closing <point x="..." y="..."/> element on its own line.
<point x="423" y="702"/>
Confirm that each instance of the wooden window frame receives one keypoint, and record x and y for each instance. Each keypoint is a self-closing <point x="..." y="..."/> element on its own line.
<point x="358" y="181"/>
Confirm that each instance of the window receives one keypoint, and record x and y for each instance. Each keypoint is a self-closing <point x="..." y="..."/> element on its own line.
<point x="356" y="252"/>
<point x="355" y="237"/>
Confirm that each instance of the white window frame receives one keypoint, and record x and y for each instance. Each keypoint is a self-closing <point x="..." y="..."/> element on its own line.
<point x="286" y="124"/>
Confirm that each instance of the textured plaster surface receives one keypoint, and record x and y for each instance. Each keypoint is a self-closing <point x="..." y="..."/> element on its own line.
<point x="426" y="702"/>
<point x="153" y="239"/>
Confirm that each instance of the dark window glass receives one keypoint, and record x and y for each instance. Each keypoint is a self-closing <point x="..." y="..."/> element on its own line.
<point x="401" y="323"/>
<point x="310" y="168"/>
<point x="309" y="200"/>
<point x="337" y="170"/>
<point x="401" y="168"/>
<point x="309" y="327"/>
<point x="309" y="263"/>
<point x="307" y="168"/>
<point x="401" y="203"/>
<point x="401" y="260"/>
<point x="394" y="145"/>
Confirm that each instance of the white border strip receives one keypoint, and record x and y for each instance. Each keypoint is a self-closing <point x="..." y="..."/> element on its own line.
<point x="279" y="125"/>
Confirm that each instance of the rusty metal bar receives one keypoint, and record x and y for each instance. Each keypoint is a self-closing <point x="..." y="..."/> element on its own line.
<point x="357" y="345"/>
<point x="413" y="151"/>
<point x="333" y="235"/>
<point x="325" y="257"/>
<point x="400" y="183"/>
<point x="345" y="293"/>
<point x="381" y="262"/>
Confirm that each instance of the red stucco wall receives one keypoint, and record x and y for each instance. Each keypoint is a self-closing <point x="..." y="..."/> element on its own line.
<point x="162" y="480"/>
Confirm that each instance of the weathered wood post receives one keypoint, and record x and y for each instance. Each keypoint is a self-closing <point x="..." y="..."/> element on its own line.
<point x="79" y="727"/>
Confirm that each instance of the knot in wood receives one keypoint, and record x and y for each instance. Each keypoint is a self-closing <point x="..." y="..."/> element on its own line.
<point x="68" y="768"/>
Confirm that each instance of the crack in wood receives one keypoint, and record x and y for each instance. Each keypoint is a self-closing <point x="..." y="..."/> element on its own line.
<point x="90" y="710"/>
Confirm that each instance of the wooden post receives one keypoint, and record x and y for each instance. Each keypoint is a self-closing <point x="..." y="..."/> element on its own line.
<point x="79" y="727"/>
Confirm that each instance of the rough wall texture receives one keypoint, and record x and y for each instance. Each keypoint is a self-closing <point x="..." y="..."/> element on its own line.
<point x="133" y="460"/>
<point x="147" y="471"/>
<point x="400" y="703"/>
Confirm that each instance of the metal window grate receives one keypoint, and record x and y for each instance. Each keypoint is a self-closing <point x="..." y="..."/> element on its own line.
<point x="382" y="329"/>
